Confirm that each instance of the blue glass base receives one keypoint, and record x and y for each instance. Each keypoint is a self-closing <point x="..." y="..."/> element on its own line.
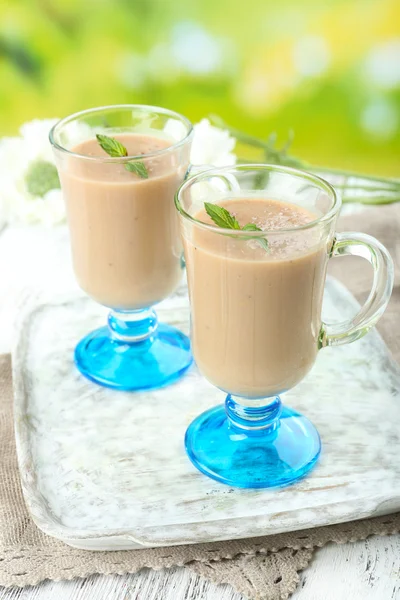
<point x="153" y="362"/>
<point x="255" y="456"/>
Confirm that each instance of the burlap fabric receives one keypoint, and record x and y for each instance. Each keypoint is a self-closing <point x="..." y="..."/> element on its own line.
<point x="262" y="568"/>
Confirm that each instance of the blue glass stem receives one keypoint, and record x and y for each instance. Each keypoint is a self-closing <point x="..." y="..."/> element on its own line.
<point x="134" y="352"/>
<point x="133" y="326"/>
<point x="255" y="416"/>
<point x="253" y="443"/>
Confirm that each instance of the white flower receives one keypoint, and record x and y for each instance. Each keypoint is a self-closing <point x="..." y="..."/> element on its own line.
<point x="212" y="146"/>
<point x="18" y="156"/>
<point x="175" y="130"/>
<point x="35" y="136"/>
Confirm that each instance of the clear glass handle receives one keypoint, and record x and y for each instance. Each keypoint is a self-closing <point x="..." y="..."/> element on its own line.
<point x="230" y="181"/>
<point x="361" y="244"/>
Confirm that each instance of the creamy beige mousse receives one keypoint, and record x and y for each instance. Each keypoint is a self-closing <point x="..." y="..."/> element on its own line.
<point x="124" y="230"/>
<point x="256" y="315"/>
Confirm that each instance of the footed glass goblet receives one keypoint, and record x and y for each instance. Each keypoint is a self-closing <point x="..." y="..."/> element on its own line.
<point x="257" y="240"/>
<point x="119" y="168"/>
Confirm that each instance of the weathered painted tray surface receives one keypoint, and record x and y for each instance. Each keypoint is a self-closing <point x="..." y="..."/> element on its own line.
<point x="107" y="470"/>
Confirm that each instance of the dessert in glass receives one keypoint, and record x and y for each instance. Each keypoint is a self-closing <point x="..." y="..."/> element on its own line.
<point x="257" y="240"/>
<point x="119" y="168"/>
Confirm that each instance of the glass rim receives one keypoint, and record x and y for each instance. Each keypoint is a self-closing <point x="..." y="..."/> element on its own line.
<point x="305" y="175"/>
<point x="120" y="159"/>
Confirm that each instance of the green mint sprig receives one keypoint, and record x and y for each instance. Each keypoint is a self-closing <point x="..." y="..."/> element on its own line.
<point x="137" y="167"/>
<point x="115" y="149"/>
<point x="224" y="219"/>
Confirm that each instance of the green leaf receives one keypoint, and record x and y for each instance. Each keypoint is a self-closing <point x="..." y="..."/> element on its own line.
<point x="41" y="177"/>
<point x="137" y="167"/>
<point x="112" y="146"/>
<point x="115" y="149"/>
<point x="262" y="241"/>
<point x="221" y="216"/>
<point x="224" y="219"/>
<point x="251" y="227"/>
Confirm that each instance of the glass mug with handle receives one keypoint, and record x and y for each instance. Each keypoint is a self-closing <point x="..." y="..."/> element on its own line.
<point x="119" y="168"/>
<point x="256" y="276"/>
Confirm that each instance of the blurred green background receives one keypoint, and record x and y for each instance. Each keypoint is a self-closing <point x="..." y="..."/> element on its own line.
<point x="328" y="70"/>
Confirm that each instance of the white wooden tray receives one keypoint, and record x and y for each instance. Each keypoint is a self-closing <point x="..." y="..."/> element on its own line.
<point x="107" y="470"/>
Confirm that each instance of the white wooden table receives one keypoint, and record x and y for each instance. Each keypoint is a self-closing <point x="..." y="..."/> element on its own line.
<point x="367" y="570"/>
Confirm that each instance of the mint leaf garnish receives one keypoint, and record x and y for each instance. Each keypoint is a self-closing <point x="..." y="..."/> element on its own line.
<point x="112" y="146"/>
<point x="137" y="167"/>
<point x="221" y="216"/>
<point x="224" y="219"/>
<point x="262" y="241"/>
<point x="251" y="227"/>
<point x="115" y="149"/>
